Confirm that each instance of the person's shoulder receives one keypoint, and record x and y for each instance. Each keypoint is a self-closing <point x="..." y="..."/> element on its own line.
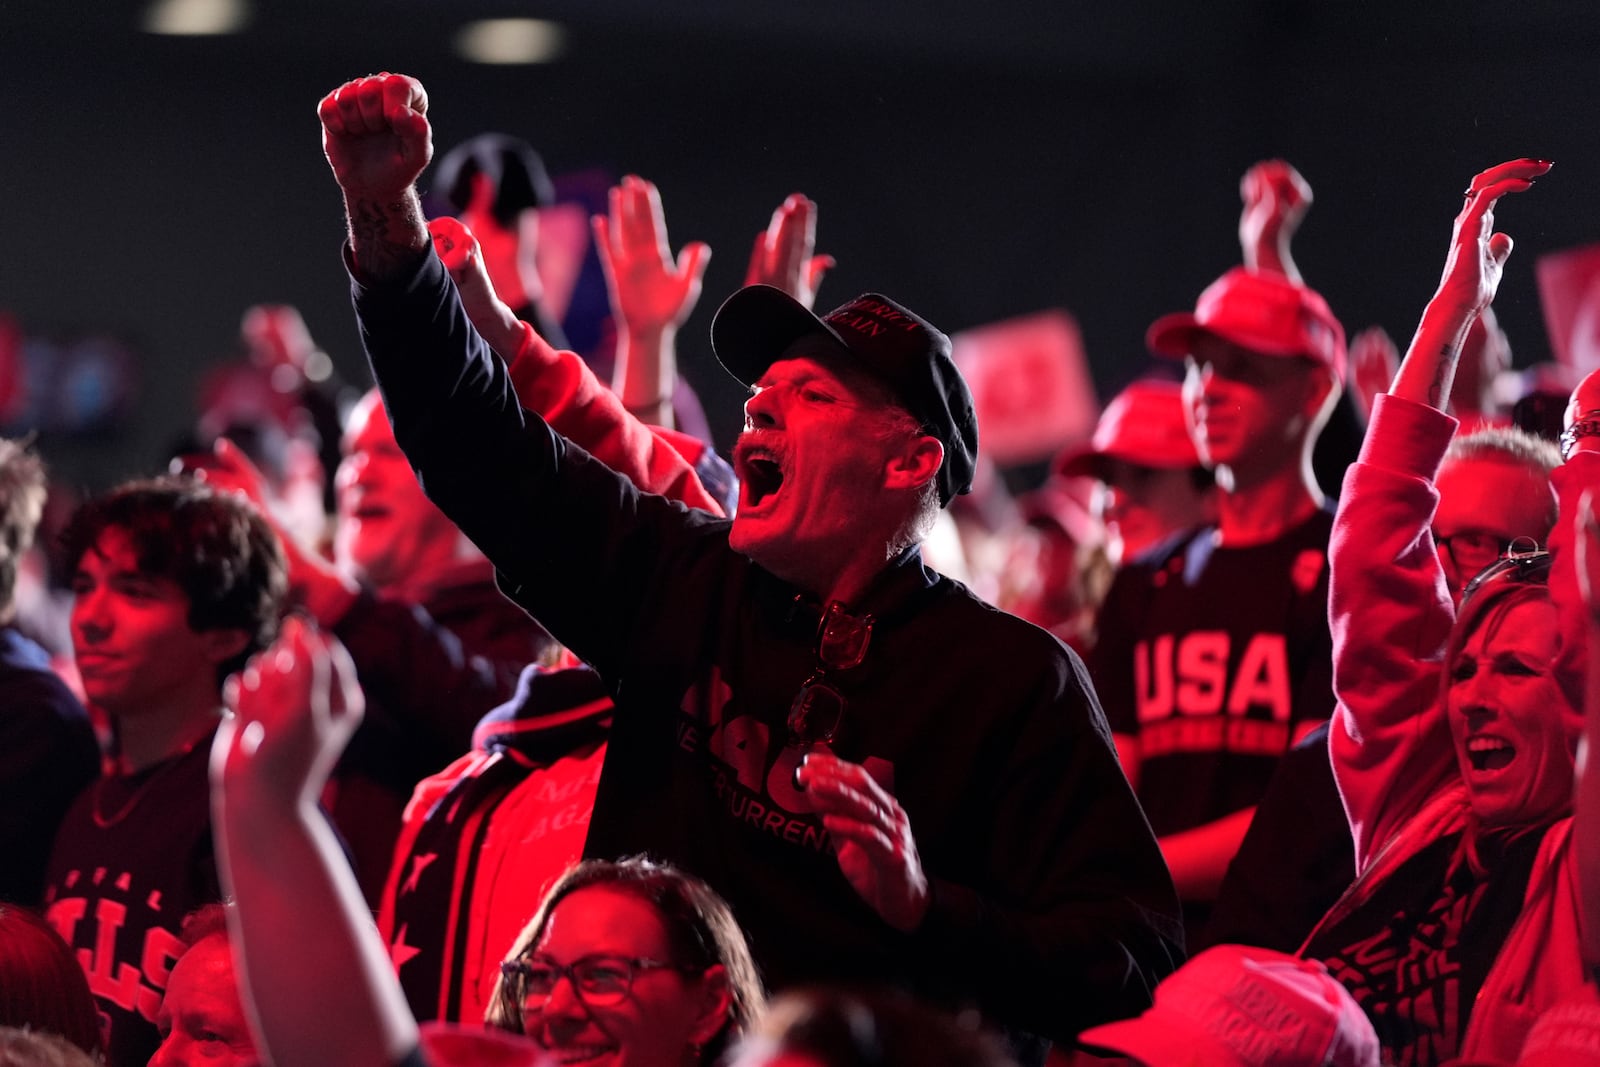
<point x="39" y="693"/>
<point x="33" y="694"/>
<point x="1037" y="685"/>
<point x="23" y="657"/>
<point x="694" y="547"/>
<point x="949" y="597"/>
<point x="956" y="596"/>
<point x="1008" y="642"/>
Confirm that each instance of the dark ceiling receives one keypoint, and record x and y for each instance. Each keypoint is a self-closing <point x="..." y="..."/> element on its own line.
<point x="977" y="160"/>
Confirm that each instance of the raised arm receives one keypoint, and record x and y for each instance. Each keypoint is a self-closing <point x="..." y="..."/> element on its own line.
<point x="1389" y="609"/>
<point x="652" y="295"/>
<point x="1276" y="199"/>
<point x="561" y="388"/>
<point x="326" y="994"/>
<point x="457" y="248"/>
<point x="574" y="543"/>
<point x="376" y="136"/>
<point x="1374" y="361"/>
<point x="784" y="256"/>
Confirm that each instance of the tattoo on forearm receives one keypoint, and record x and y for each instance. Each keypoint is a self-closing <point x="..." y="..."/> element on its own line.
<point x="386" y="238"/>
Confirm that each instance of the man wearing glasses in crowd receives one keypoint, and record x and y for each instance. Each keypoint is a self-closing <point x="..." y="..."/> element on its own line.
<point x="1494" y="495"/>
<point x="888" y="779"/>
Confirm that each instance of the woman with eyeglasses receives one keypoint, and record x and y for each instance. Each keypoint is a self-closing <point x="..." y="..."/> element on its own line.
<point x="1455" y="735"/>
<point x="631" y="963"/>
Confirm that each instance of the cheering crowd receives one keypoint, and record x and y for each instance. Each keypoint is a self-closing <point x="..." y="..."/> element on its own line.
<point x="578" y="743"/>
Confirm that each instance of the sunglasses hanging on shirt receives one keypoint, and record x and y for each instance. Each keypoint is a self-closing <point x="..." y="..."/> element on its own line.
<point x="818" y="709"/>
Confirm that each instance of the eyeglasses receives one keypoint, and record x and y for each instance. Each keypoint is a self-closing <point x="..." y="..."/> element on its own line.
<point x="1524" y="568"/>
<point x="1472" y="550"/>
<point x="818" y="708"/>
<point x="599" y="980"/>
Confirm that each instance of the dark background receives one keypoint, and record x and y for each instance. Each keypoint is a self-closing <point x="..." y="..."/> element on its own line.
<point x="976" y="160"/>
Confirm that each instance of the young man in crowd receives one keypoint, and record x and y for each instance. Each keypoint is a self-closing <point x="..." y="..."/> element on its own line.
<point x="888" y="779"/>
<point x="175" y="586"/>
<point x="1214" y="656"/>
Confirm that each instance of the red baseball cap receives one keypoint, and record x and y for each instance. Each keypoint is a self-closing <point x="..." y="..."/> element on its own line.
<point x="1144" y="424"/>
<point x="1237" y="1006"/>
<point x="1263" y="312"/>
<point x="1567" y="1035"/>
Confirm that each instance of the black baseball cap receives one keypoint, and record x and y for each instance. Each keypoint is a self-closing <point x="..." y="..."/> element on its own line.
<point x="896" y="346"/>
<point x="514" y="169"/>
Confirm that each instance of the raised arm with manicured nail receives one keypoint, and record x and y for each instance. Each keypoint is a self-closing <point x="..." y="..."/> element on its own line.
<point x="1389" y="608"/>
<point x="1471" y="275"/>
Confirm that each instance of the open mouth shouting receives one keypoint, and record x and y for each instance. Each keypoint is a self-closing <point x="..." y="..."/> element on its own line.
<point x="1488" y="753"/>
<point x="761" y="469"/>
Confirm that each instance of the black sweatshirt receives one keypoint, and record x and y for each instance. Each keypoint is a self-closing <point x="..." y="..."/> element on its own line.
<point x="1051" y="910"/>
